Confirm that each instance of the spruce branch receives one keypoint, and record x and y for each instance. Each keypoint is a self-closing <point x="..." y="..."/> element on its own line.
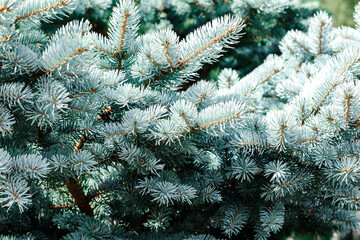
<point x="357" y="16"/>
<point x="193" y="49"/>
<point x="124" y="24"/>
<point x="320" y="29"/>
<point x="45" y="9"/>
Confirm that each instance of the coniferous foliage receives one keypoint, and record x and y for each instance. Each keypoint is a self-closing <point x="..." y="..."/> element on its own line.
<point x="99" y="140"/>
<point x="266" y="24"/>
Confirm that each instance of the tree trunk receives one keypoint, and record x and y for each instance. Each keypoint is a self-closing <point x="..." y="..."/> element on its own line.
<point x="79" y="196"/>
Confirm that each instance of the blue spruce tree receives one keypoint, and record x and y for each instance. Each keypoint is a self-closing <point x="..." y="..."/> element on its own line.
<point x="101" y="140"/>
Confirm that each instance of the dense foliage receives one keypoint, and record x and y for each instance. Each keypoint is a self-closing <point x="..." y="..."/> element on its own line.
<point x="111" y="134"/>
